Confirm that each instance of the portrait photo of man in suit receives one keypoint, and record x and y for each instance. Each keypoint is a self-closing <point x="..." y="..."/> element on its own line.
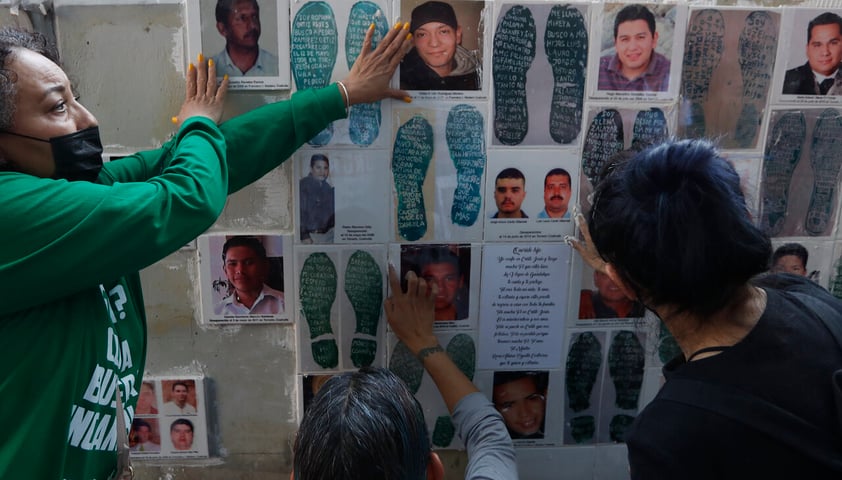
<point x="820" y="74"/>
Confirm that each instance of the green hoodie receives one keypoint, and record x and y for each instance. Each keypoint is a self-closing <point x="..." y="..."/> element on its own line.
<point x="72" y="324"/>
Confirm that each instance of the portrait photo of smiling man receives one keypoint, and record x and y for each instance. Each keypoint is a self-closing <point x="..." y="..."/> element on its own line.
<point x="820" y="74"/>
<point x="634" y="65"/>
<point x="247" y="269"/>
<point x="244" y="277"/>
<point x="441" y="57"/>
<point x="521" y="398"/>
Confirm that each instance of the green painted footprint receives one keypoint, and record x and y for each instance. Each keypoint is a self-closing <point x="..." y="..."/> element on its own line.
<point x="583" y="362"/>
<point x="582" y="428"/>
<point x="836" y="280"/>
<point x="783" y="151"/>
<point x="407" y="367"/>
<point x="443" y="431"/>
<point x="317" y="292"/>
<point x="625" y="365"/>
<point x="619" y="427"/>
<point x="825" y="159"/>
<point x="650" y="127"/>
<point x="566" y="45"/>
<point x="747" y="126"/>
<point x="462" y="350"/>
<point x="314" y="42"/>
<point x="603" y="140"/>
<point x="364" y="118"/>
<point x="411" y="157"/>
<point x="667" y="346"/>
<point x="364" y="288"/>
<point x="695" y="126"/>
<point x="465" y="135"/>
<point x="757" y="47"/>
<point x="704" y="44"/>
<point x="512" y="55"/>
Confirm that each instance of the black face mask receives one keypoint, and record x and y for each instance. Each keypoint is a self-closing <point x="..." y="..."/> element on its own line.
<point x="77" y="156"/>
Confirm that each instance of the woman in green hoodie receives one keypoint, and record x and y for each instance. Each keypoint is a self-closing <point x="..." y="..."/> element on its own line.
<point x="72" y="325"/>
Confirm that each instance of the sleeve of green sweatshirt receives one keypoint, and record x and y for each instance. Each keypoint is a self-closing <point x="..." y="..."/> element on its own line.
<point x="61" y="237"/>
<point x="265" y="137"/>
<point x="259" y="140"/>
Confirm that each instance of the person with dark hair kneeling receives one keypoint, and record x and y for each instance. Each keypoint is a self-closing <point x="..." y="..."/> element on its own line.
<point x="755" y="393"/>
<point x="373" y="423"/>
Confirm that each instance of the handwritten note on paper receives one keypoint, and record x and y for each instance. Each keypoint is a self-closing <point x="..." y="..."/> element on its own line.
<point x="523" y="305"/>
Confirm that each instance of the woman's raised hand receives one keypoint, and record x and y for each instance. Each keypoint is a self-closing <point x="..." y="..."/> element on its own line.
<point x="369" y="78"/>
<point x="204" y="97"/>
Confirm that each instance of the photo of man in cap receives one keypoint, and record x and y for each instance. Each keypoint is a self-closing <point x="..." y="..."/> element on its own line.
<point x="438" y="61"/>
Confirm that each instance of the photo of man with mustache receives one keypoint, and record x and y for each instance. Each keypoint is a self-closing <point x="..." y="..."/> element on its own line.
<point x="557" y="191"/>
<point x="239" y="22"/>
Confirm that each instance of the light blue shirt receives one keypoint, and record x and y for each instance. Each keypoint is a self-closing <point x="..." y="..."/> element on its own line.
<point x="543" y="214"/>
<point x="265" y="66"/>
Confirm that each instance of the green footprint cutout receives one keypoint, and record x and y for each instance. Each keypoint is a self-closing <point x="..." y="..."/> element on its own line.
<point x="462" y="350"/>
<point x="696" y="123"/>
<point x="783" y="151"/>
<point x="667" y="346"/>
<point x="314" y="41"/>
<point x="625" y="365"/>
<point x="512" y="55"/>
<point x="582" y="428"/>
<point x="317" y="292"/>
<point x="650" y="127"/>
<point x="825" y="160"/>
<point x="406" y="366"/>
<point x="411" y="157"/>
<point x="364" y="288"/>
<point x="583" y="362"/>
<point x="603" y="140"/>
<point x="465" y="135"/>
<point x="619" y="427"/>
<point x="757" y="47"/>
<point x="836" y="280"/>
<point x="702" y="53"/>
<point x="364" y="118"/>
<point x="566" y="45"/>
<point x="747" y="126"/>
<point x="444" y="431"/>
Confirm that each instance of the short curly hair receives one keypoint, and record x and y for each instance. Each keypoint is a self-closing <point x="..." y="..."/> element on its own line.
<point x="12" y="38"/>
